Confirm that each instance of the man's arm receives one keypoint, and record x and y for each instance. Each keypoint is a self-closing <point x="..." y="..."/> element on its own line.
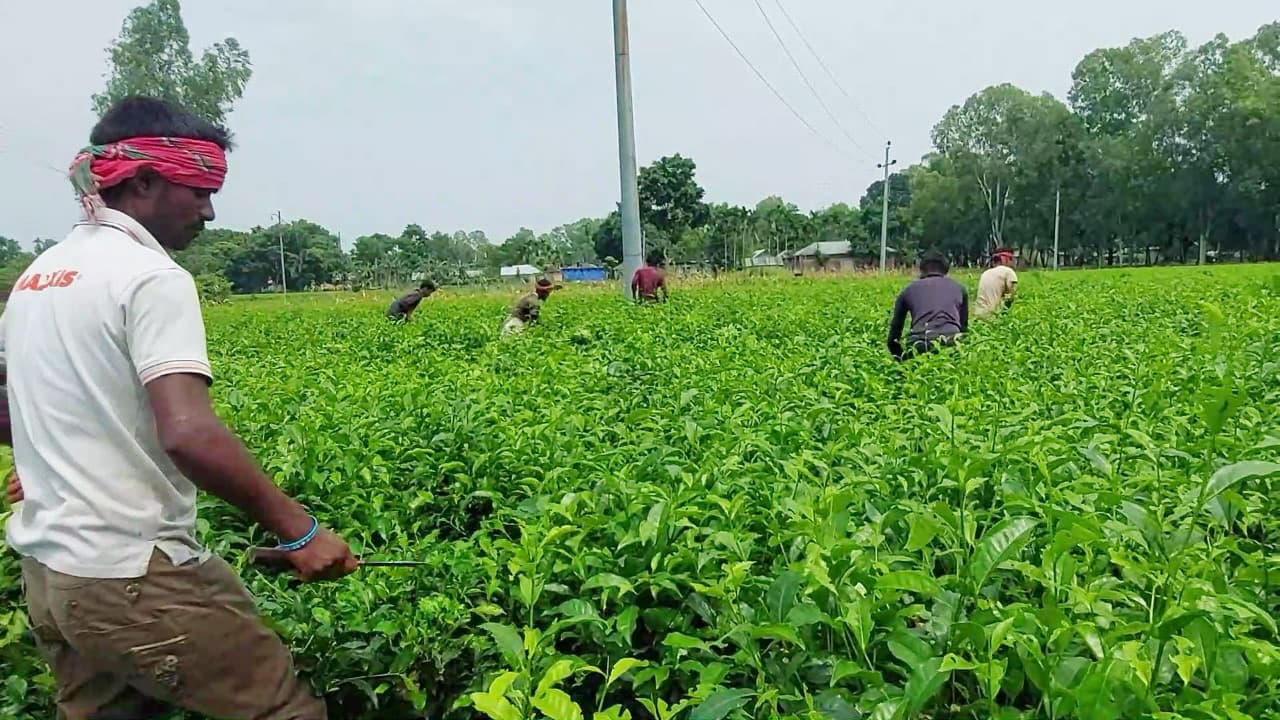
<point x="896" y="324"/>
<point x="166" y="344"/>
<point x="964" y="310"/>
<point x="1011" y="291"/>
<point x="13" y="491"/>
<point x="213" y="458"/>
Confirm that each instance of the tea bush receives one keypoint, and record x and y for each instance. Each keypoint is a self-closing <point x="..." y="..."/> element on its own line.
<point x="736" y="506"/>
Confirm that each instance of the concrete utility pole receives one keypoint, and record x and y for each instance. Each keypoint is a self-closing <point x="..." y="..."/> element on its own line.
<point x="884" y="214"/>
<point x="1057" y="225"/>
<point x="284" y="286"/>
<point x="632" y="243"/>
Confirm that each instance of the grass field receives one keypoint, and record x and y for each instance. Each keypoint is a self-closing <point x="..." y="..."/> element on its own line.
<point x="735" y="505"/>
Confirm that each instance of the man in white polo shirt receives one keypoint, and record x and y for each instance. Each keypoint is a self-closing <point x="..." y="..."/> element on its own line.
<point x="108" y="412"/>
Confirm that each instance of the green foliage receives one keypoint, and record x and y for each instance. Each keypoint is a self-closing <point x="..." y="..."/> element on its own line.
<point x="214" y="288"/>
<point x="153" y="57"/>
<point x="251" y="261"/>
<point x="15" y="263"/>
<point x="735" y="505"/>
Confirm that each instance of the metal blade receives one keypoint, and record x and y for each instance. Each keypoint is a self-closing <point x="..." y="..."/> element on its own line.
<point x="392" y="563"/>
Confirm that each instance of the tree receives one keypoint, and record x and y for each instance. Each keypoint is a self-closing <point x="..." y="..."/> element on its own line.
<point x="9" y="249"/>
<point x="607" y="238"/>
<point x="211" y="253"/>
<point x="152" y="56"/>
<point x="42" y="244"/>
<point x="13" y="262"/>
<point x="998" y="139"/>
<point x="670" y="197"/>
<point x="872" y="207"/>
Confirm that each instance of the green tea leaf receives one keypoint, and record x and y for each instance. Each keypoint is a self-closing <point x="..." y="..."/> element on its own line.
<point x="622" y="667"/>
<point x="497" y="708"/>
<point x="683" y="642"/>
<point x="923" y="530"/>
<point x="999" y="543"/>
<point x="557" y="705"/>
<point x="1231" y="475"/>
<point x="782" y="594"/>
<point x="909" y="580"/>
<point x="554" y="675"/>
<point x="720" y="703"/>
<point x="776" y="631"/>
<point x="509" y="642"/>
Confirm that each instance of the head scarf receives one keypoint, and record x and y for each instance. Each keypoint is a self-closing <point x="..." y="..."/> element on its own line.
<point x="182" y="161"/>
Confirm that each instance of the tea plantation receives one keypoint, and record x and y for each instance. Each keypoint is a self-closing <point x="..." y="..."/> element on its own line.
<point x="736" y="505"/>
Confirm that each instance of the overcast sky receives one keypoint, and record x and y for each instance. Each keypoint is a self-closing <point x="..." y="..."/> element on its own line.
<point x="494" y="114"/>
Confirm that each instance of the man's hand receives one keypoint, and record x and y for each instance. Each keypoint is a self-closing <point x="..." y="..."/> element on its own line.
<point x="13" y="489"/>
<point x="326" y="557"/>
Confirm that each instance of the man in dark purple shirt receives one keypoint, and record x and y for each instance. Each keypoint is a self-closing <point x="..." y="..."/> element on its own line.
<point x="939" y="310"/>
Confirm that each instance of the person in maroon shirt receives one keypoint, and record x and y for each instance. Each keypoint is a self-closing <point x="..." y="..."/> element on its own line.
<point x="648" y="280"/>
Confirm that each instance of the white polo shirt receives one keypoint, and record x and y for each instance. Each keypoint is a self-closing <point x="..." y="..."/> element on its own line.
<point x="93" y="320"/>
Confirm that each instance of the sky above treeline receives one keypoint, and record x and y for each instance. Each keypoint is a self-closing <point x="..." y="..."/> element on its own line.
<point x="492" y="115"/>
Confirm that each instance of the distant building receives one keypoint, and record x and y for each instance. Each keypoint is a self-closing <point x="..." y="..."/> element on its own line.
<point x="516" y="272"/>
<point x="764" y="258"/>
<point x="584" y="273"/>
<point x="834" y="256"/>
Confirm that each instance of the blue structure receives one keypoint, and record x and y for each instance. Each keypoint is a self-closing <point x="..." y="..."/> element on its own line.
<point x="583" y="273"/>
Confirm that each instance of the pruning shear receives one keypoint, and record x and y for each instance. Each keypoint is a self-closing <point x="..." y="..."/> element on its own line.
<point x="274" y="560"/>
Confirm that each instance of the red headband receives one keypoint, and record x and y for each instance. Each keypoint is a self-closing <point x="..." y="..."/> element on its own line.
<point x="182" y="161"/>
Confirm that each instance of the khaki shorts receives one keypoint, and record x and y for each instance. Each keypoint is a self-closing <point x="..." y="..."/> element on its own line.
<point x="187" y="637"/>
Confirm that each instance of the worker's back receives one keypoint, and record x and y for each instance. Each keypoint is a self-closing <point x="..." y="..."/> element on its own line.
<point x="937" y="306"/>
<point x="993" y="286"/>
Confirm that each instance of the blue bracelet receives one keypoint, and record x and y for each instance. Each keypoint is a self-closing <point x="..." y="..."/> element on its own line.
<point x="302" y="541"/>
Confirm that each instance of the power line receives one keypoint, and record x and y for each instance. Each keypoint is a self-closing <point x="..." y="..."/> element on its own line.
<point x="765" y="80"/>
<point x="805" y="78"/>
<point x="827" y="70"/>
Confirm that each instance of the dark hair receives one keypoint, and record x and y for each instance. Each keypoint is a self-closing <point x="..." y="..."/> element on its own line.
<point x="427" y="285"/>
<point x="139" y="116"/>
<point x="934" y="263"/>
<point x="655" y="259"/>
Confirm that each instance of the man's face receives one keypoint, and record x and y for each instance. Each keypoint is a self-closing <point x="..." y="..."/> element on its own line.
<point x="543" y="293"/>
<point x="175" y="214"/>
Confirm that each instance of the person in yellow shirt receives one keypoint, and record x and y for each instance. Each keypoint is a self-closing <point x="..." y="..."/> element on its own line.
<point x="997" y="286"/>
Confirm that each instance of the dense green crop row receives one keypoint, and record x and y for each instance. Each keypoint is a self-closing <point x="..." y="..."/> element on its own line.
<point x="736" y="505"/>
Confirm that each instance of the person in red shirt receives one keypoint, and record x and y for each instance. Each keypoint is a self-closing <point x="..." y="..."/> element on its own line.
<point x="648" y="280"/>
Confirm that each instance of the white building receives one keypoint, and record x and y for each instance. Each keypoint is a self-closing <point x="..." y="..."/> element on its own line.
<point x="514" y="272"/>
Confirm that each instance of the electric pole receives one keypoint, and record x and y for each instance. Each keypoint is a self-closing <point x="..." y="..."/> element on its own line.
<point x="284" y="286"/>
<point x="1057" y="224"/>
<point x="632" y="243"/>
<point x="884" y="215"/>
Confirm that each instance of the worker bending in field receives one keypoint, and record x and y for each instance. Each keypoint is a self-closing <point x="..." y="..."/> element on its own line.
<point x="649" y="280"/>
<point x="939" y="310"/>
<point x="997" y="286"/>
<point x="402" y="307"/>
<point x="102" y="349"/>
<point x="526" y="309"/>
